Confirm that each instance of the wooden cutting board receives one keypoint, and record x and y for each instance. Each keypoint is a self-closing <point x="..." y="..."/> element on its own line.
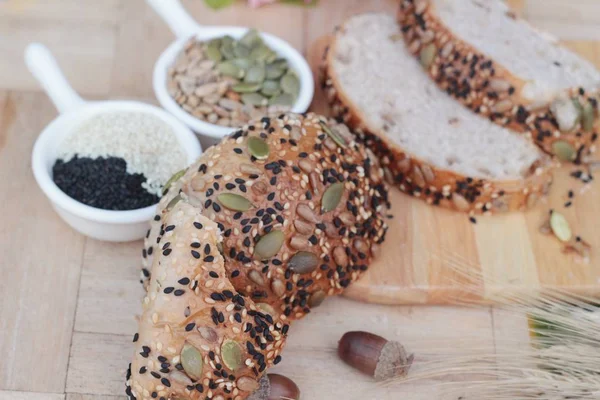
<point x="426" y="245"/>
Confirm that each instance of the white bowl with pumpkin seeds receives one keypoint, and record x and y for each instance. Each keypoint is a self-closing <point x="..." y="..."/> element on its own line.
<point x="216" y="78"/>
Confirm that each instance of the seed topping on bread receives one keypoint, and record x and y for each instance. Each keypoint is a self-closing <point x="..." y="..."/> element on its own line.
<point x="564" y="126"/>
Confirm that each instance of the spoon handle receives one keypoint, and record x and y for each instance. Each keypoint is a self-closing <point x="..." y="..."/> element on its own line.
<point x="44" y="68"/>
<point x="176" y="17"/>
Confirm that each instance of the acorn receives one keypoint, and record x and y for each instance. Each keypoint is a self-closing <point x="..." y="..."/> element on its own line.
<point x="276" y="387"/>
<point x="374" y="355"/>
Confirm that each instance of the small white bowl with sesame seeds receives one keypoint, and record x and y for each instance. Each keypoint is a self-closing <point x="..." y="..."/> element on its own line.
<point x="185" y="27"/>
<point x="108" y="225"/>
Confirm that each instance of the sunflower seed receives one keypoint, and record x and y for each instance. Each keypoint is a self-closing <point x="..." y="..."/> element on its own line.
<point x="231" y="354"/>
<point x="305" y="212"/>
<point x="191" y="360"/>
<point x="269" y="245"/>
<point x="256" y="277"/>
<point x="247" y="384"/>
<point x="303" y="262"/>
<point x="278" y="287"/>
<point x="250" y="169"/>
<point x="208" y="333"/>
<point x="258" y="148"/>
<point x="298" y="242"/>
<point x="340" y="257"/>
<point x="460" y="202"/>
<point x="560" y="226"/>
<point x="564" y="150"/>
<point x="266" y="308"/>
<point x="303" y="227"/>
<point x="234" y="202"/>
<point x="332" y="197"/>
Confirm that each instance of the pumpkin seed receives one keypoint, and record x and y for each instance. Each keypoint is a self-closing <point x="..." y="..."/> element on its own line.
<point x="272" y="57"/>
<point x="173" y="202"/>
<point x="244" y="87"/>
<point x="255" y="74"/>
<point x="251" y="38"/>
<point x="176" y="176"/>
<point x="274" y="71"/>
<point x="216" y="42"/>
<point x="228" y="68"/>
<point x="231" y="353"/>
<point x="283" y="99"/>
<point x="587" y="117"/>
<point x="332" y="197"/>
<point x="240" y="50"/>
<point x="564" y="150"/>
<point x="317" y="298"/>
<point x="260" y="53"/>
<point x="234" y="202"/>
<point x="243" y="63"/>
<point x="579" y="109"/>
<point x="191" y="360"/>
<point x="290" y="84"/>
<point x="258" y="148"/>
<point x="303" y="262"/>
<point x="560" y="226"/>
<point x="269" y="245"/>
<point x="254" y="99"/>
<point x="427" y="55"/>
<point x="270" y="88"/>
<point x="227" y="50"/>
<point x="214" y="53"/>
<point x="333" y="135"/>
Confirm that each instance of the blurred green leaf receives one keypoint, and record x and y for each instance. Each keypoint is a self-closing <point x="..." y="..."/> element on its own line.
<point x="301" y="2"/>
<point x="217" y="4"/>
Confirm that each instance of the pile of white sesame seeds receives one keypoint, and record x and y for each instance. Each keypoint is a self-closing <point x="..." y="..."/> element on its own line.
<point x="146" y="143"/>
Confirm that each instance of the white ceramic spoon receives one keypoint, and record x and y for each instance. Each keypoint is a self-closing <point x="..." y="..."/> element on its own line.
<point x="115" y="226"/>
<point x="184" y="27"/>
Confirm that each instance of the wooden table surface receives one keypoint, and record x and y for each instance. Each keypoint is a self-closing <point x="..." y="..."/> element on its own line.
<point x="68" y="304"/>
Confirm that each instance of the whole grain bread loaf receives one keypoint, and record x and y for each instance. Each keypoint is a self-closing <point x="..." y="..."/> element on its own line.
<point x="301" y="204"/>
<point x="197" y="337"/>
<point x="430" y="146"/>
<point x="501" y="67"/>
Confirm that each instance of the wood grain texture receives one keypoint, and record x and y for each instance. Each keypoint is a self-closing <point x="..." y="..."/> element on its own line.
<point x="41" y="275"/>
<point x="15" y="395"/>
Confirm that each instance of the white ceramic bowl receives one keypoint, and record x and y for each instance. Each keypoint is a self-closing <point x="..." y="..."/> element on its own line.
<point x="114" y="226"/>
<point x="184" y="27"/>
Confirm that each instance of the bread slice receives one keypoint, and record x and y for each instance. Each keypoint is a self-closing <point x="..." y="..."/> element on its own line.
<point x="503" y="68"/>
<point x="430" y="145"/>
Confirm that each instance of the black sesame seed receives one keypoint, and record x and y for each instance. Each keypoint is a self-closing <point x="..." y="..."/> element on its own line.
<point x="190" y="326"/>
<point x="179" y="292"/>
<point x="168" y="290"/>
<point x="198" y="225"/>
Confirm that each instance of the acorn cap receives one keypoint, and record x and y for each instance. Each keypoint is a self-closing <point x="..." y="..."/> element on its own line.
<point x="374" y="355"/>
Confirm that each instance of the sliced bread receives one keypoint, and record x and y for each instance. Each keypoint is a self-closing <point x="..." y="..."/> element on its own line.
<point x="501" y="67"/>
<point x="430" y="145"/>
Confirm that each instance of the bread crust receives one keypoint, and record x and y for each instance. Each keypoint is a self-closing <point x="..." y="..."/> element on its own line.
<point x="490" y="89"/>
<point x="192" y="306"/>
<point x="423" y="180"/>
<point x="286" y="191"/>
